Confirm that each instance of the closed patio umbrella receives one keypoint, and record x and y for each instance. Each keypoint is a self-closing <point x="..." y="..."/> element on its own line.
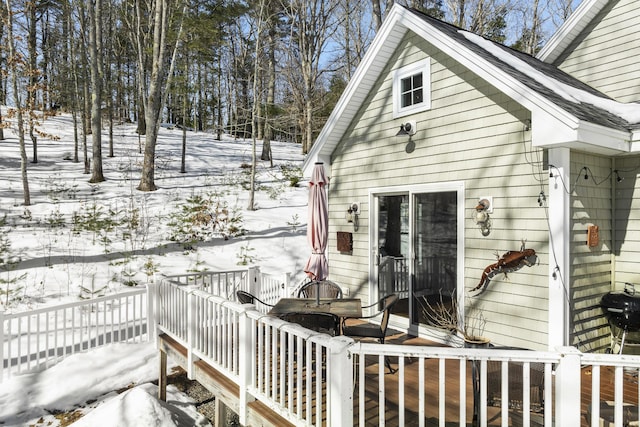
<point x="317" y="226"/>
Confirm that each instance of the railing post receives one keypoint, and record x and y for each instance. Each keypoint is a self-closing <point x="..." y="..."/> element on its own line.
<point x="245" y="363"/>
<point x="191" y="328"/>
<point x="152" y="319"/>
<point x="567" y="387"/>
<point x="254" y="280"/>
<point x="340" y="382"/>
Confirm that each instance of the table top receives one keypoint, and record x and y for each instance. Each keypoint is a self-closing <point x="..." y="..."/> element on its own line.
<point x="344" y="307"/>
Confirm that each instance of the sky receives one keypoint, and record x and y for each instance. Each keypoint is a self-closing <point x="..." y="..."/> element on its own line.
<point x="59" y="263"/>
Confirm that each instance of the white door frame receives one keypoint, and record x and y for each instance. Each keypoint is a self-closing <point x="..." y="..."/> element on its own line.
<point x="411" y="190"/>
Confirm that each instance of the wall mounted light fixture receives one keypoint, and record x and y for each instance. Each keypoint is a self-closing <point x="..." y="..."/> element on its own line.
<point x="407" y="128"/>
<point x="353" y="211"/>
<point x="481" y="215"/>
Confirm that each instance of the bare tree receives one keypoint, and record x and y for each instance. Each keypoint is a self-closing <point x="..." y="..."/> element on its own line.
<point x="532" y="17"/>
<point x="259" y="27"/>
<point x="161" y="13"/>
<point x="2" y="48"/>
<point x="31" y="15"/>
<point x="379" y="11"/>
<point x="559" y="11"/>
<point x="271" y="46"/>
<point x="313" y="23"/>
<point x="95" y="52"/>
<point x="355" y="35"/>
<point x="13" y="61"/>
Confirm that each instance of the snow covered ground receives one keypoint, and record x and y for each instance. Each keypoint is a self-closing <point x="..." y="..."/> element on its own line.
<point x="78" y="240"/>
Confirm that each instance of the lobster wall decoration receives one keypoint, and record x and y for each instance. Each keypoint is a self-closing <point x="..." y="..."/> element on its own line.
<point x="507" y="263"/>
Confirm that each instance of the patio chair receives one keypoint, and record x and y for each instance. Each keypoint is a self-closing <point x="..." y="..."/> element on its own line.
<point x="247" y="298"/>
<point x="319" y="322"/>
<point x="326" y="289"/>
<point x="373" y="330"/>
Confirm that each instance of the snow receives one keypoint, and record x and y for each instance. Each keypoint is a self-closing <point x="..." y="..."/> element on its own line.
<point x="59" y="262"/>
<point x="94" y="377"/>
<point x="628" y="111"/>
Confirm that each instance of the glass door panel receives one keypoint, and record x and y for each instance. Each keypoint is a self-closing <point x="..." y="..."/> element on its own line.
<point x="434" y="235"/>
<point x="393" y="249"/>
<point x="416" y="254"/>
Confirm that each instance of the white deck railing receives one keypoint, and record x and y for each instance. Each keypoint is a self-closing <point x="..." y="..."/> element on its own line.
<point x="267" y="288"/>
<point x="35" y="339"/>
<point x="302" y="375"/>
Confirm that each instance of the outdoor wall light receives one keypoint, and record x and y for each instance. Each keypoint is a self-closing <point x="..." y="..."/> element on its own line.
<point x="481" y="215"/>
<point x="407" y="129"/>
<point x="353" y="211"/>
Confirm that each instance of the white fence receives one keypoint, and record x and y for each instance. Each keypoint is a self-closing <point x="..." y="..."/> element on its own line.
<point x="34" y="339"/>
<point x="314" y="379"/>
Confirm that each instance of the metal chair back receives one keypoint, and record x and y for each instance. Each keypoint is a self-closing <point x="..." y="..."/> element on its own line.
<point x="321" y="289"/>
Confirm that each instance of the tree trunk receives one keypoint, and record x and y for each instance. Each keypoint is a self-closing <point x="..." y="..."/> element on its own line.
<point x="33" y="74"/>
<point x="95" y="51"/>
<point x="13" y="66"/>
<point x="271" y="90"/>
<point x="2" y="92"/>
<point x="256" y="103"/>
<point x="156" y="99"/>
<point x="377" y="14"/>
<point x="220" y="125"/>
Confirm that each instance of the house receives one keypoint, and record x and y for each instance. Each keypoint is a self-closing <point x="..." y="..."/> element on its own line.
<point x="548" y="147"/>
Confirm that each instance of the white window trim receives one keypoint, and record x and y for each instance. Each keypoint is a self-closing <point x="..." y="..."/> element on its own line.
<point x="423" y="66"/>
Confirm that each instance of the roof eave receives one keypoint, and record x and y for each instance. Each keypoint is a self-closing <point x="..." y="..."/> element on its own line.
<point x="587" y="137"/>
<point x="570" y="29"/>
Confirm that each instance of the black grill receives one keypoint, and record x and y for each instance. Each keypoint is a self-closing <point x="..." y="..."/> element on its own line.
<point x="622" y="309"/>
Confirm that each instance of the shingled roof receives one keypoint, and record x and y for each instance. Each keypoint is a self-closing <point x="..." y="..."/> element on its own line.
<point x="554" y="97"/>
<point x="581" y="110"/>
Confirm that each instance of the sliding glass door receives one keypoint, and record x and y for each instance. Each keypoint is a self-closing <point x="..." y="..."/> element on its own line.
<point x="417" y="238"/>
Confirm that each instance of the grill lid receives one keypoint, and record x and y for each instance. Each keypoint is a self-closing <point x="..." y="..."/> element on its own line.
<point x="622" y="308"/>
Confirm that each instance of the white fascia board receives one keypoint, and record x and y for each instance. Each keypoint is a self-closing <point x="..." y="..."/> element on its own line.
<point x="547" y="132"/>
<point x="634" y="144"/>
<point x="609" y="140"/>
<point x="570" y="29"/>
<point x="387" y="39"/>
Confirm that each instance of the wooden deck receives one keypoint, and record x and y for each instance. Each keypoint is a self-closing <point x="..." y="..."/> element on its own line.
<point x="259" y="414"/>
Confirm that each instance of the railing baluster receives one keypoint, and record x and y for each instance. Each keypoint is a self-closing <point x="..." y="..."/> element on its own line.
<point x="618" y="395"/>
<point x="595" y="395"/>
<point x="483" y="392"/>
<point x="504" y="410"/>
<point x="526" y="394"/>
<point x="361" y="388"/>
<point x="381" y="411"/>
<point x="441" y="390"/>
<point x="463" y="392"/>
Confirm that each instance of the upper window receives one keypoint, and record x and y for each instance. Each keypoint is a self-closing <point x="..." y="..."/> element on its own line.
<point x="411" y="88"/>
